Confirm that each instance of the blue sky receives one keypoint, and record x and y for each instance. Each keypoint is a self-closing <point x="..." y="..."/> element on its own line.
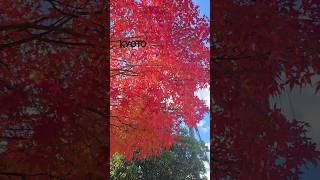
<point x="204" y="6"/>
<point x="204" y="125"/>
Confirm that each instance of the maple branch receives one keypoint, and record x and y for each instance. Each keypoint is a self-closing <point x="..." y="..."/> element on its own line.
<point x="22" y="26"/>
<point x="57" y="30"/>
<point x="95" y="111"/>
<point x="240" y="56"/>
<point x="231" y="58"/>
<point x="59" y="10"/>
<point x="51" y="28"/>
<point x="14" y="138"/>
<point x="76" y="9"/>
<point x="119" y="119"/>
<point x="125" y="73"/>
<point x="24" y="175"/>
<point x="65" y="42"/>
<point x="115" y="126"/>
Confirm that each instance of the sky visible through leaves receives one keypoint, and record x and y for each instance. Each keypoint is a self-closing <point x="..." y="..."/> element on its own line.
<point x="204" y="125"/>
<point x="307" y="99"/>
<point x="304" y="105"/>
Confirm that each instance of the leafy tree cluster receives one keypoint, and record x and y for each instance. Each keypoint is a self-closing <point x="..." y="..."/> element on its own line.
<point x="183" y="161"/>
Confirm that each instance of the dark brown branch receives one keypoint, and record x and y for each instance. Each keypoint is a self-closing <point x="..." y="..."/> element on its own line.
<point x="51" y="28"/>
<point x="65" y="42"/>
<point x="22" y="26"/>
<point x="24" y="175"/>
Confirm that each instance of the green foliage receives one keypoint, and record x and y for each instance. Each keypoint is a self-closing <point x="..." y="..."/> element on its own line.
<point x="122" y="170"/>
<point x="184" y="161"/>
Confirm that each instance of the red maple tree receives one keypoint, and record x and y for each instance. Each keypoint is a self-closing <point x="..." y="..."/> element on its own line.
<point x="52" y="89"/>
<point x="53" y="83"/>
<point x="152" y="87"/>
<point x="255" y="45"/>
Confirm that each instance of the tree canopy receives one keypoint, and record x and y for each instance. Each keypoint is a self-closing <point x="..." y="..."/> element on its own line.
<point x="183" y="161"/>
<point x="152" y="87"/>
<point x="260" y="47"/>
<point x="53" y="83"/>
